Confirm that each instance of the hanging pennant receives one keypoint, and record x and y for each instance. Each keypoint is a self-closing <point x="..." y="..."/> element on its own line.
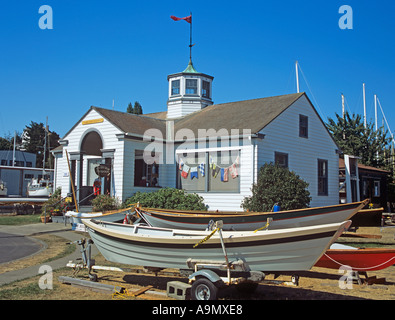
<point x="233" y="171"/>
<point x="224" y="174"/>
<point x="194" y="173"/>
<point x="185" y="171"/>
<point x="215" y="170"/>
<point x="202" y="169"/>
<point x="180" y="164"/>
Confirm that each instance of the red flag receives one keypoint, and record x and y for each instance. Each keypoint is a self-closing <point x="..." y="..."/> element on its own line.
<point x="187" y="19"/>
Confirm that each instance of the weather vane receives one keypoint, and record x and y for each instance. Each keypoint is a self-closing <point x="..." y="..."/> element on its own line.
<point x="189" y="20"/>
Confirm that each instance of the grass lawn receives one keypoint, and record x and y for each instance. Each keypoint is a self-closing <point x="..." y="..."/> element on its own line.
<point x="20" y="219"/>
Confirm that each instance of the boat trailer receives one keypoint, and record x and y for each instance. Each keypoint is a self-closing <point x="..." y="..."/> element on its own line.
<point x="205" y="278"/>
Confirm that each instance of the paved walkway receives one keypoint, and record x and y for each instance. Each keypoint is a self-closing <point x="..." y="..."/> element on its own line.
<point x="57" y="229"/>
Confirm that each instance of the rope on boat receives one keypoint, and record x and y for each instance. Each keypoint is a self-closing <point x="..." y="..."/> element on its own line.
<point x="206" y="238"/>
<point x="367" y="268"/>
<point x="264" y="227"/>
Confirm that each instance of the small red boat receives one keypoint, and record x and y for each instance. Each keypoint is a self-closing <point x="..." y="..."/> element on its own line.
<point x="359" y="259"/>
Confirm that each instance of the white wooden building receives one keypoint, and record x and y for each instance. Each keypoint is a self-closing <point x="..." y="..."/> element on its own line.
<point x="214" y="150"/>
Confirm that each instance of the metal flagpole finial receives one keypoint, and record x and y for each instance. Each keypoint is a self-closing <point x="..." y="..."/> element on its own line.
<point x="190" y="39"/>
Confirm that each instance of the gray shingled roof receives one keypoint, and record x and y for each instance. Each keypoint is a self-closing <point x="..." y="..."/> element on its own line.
<point x="252" y="114"/>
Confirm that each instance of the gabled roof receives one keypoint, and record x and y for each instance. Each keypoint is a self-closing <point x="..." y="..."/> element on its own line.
<point x="127" y="122"/>
<point x="252" y="114"/>
<point x="132" y="123"/>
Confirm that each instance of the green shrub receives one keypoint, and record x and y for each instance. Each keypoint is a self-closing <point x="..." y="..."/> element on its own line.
<point x="277" y="185"/>
<point x="104" y="202"/>
<point x="168" y="198"/>
<point x="55" y="205"/>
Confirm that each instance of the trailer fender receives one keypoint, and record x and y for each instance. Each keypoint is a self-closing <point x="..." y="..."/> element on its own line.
<point x="209" y="274"/>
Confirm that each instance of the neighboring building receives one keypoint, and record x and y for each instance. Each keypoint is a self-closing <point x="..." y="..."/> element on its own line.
<point x="365" y="182"/>
<point x="17" y="175"/>
<point x="213" y="150"/>
<point x="22" y="158"/>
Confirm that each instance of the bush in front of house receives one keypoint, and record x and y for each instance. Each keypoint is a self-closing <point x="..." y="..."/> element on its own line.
<point x="277" y="185"/>
<point x="168" y="198"/>
<point x="55" y="205"/>
<point x="104" y="202"/>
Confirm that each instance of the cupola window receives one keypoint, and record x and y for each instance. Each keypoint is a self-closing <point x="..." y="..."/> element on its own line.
<point x="191" y="86"/>
<point x="205" y="89"/>
<point x="175" y="87"/>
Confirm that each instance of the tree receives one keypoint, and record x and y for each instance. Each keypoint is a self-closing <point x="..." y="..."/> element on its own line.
<point x="7" y="142"/>
<point x="34" y="139"/>
<point x="136" y="109"/>
<point x="130" y="108"/>
<point x="354" y="139"/>
<point x="277" y="184"/>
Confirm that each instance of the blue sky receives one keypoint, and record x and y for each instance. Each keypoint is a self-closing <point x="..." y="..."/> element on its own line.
<point x="98" y="51"/>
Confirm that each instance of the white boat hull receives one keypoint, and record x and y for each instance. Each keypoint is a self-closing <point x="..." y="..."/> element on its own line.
<point x="43" y="192"/>
<point x="111" y="216"/>
<point x="294" y="249"/>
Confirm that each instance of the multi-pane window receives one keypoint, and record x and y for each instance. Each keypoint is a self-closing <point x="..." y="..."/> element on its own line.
<point x="205" y="89"/>
<point x="281" y="159"/>
<point x="175" y="87"/>
<point x="322" y="177"/>
<point x="215" y="171"/>
<point x="191" y="86"/>
<point x="303" y="126"/>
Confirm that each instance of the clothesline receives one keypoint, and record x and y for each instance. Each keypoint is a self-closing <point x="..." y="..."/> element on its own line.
<point x="215" y="170"/>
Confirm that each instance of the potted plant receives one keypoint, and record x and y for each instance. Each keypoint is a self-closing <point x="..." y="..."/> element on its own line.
<point x="52" y="207"/>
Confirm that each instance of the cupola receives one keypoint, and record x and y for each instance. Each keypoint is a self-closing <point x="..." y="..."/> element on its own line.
<point x="189" y="91"/>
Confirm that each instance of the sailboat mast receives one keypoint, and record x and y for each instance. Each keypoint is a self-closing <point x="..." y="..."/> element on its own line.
<point x="364" y="106"/>
<point x="375" y="111"/>
<point x="297" y="76"/>
<point x="45" y="144"/>
<point x="343" y="114"/>
<point x="13" y="152"/>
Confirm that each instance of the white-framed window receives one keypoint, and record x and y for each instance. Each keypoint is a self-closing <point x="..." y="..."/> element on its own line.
<point x="191" y="86"/>
<point x="175" y="87"/>
<point x="209" y="171"/>
<point x="281" y="159"/>
<point x="303" y="126"/>
<point x="322" y="177"/>
<point x="205" y="89"/>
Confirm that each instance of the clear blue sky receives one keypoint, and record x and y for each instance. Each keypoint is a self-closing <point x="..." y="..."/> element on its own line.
<point x="123" y="50"/>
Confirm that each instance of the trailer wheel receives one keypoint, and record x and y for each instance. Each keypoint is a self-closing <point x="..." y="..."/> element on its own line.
<point x="204" y="289"/>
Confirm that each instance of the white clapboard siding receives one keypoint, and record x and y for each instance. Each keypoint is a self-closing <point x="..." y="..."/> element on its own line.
<point x="282" y="135"/>
<point x="108" y="133"/>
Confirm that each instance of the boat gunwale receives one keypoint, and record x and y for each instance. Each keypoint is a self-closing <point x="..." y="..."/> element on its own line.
<point x="206" y="214"/>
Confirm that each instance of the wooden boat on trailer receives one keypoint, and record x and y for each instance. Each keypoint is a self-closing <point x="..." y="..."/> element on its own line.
<point x="199" y="220"/>
<point x="293" y="249"/>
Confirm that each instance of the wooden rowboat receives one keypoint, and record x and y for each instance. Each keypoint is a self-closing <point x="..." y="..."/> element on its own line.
<point x="199" y="220"/>
<point x="291" y="249"/>
<point x="358" y="259"/>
